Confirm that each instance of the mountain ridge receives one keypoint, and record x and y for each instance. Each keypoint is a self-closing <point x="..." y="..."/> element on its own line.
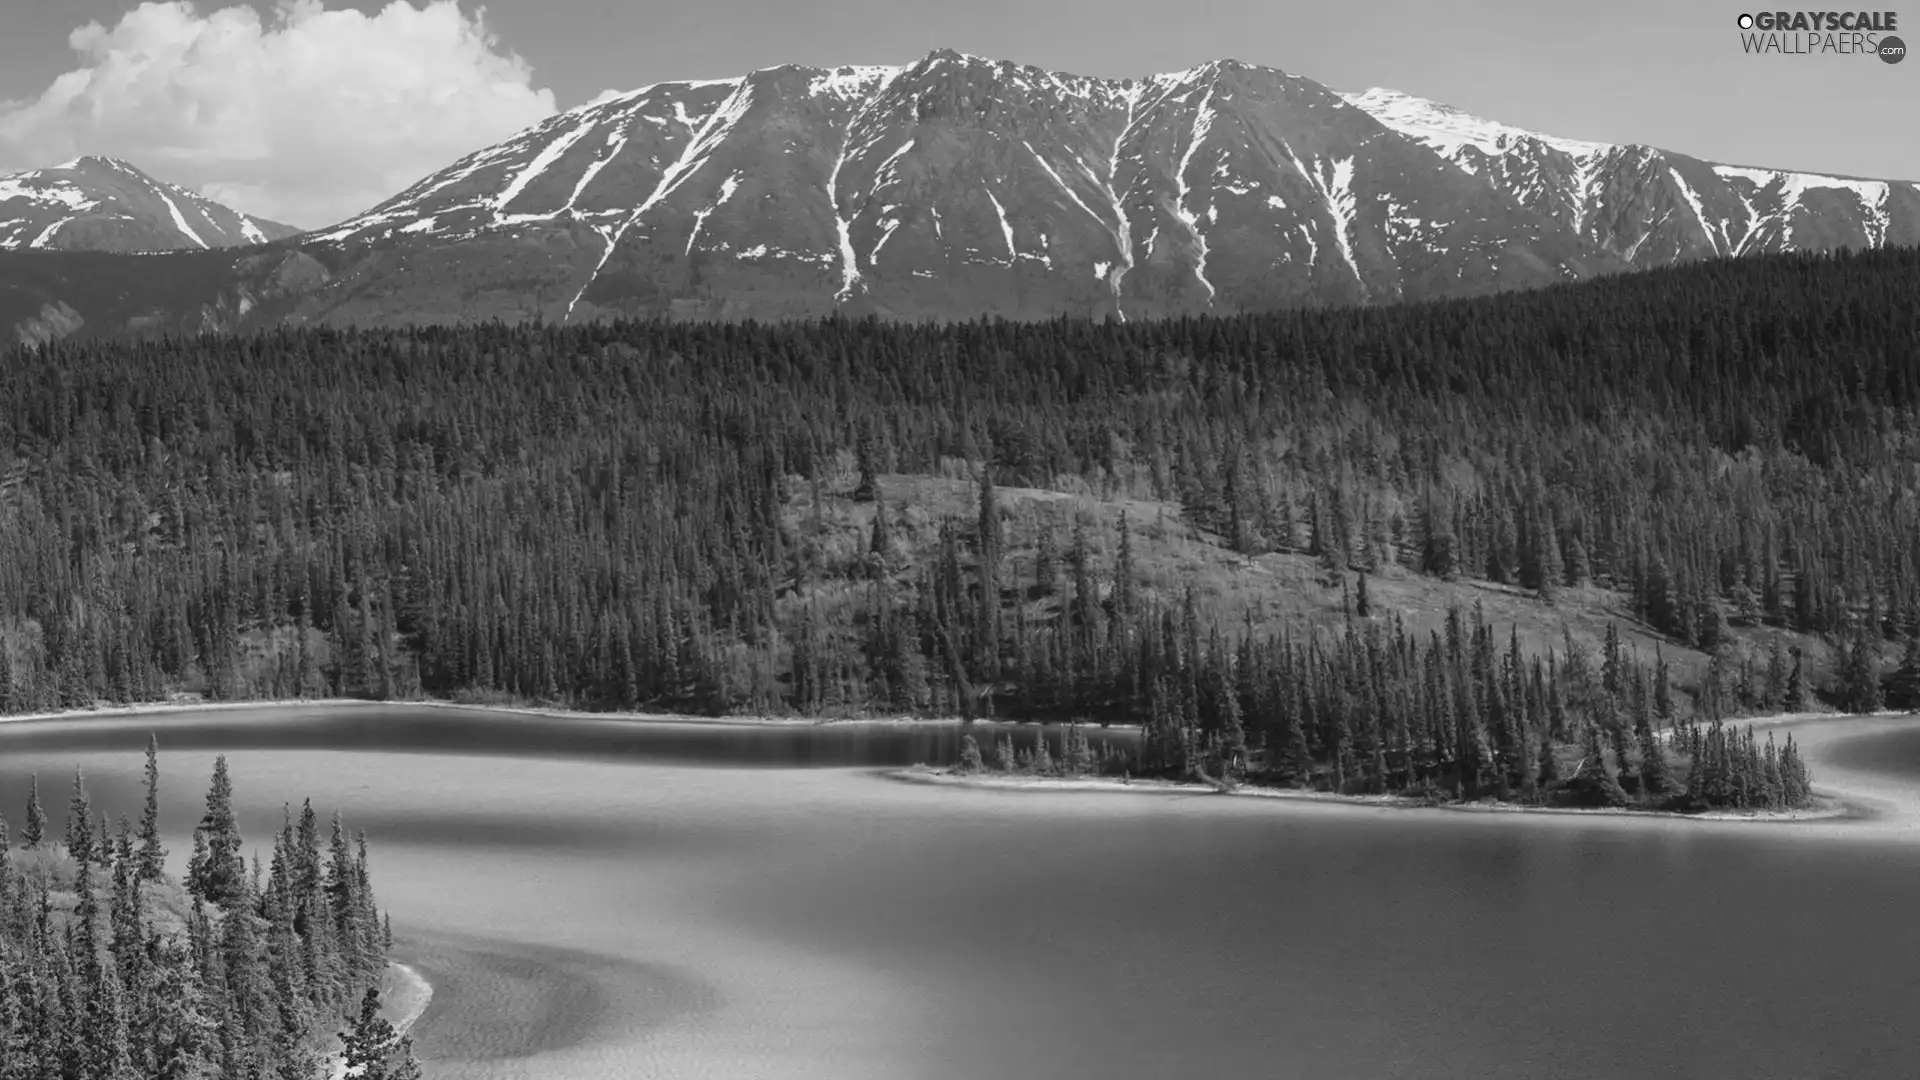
<point x="957" y="187"/>
<point x="96" y="203"/>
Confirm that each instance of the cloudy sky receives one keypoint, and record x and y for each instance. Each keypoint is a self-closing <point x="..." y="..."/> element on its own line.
<point x="306" y="111"/>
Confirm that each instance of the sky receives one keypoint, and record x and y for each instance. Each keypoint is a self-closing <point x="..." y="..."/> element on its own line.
<point x="307" y="111"/>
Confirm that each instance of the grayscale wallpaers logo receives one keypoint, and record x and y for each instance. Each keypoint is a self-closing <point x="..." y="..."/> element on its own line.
<point x="1823" y="33"/>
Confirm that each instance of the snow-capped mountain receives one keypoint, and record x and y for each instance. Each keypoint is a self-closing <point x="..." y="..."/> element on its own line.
<point x="103" y="204"/>
<point x="956" y="187"/>
<point x="1649" y="206"/>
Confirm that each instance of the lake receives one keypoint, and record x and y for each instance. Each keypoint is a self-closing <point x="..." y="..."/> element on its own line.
<point x="607" y="898"/>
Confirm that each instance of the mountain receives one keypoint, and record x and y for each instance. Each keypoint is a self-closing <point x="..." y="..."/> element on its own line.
<point x="961" y="186"/>
<point x="956" y="187"/>
<point x="1650" y="207"/>
<point x="104" y="204"/>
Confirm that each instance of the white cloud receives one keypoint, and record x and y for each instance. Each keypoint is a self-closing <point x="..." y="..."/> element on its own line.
<point x="306" y="117"/>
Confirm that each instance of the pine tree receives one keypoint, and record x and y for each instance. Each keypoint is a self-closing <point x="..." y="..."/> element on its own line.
<point x="1362" y="605"/>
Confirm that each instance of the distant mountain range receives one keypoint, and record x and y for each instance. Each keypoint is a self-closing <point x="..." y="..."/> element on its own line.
<point x="957" y="187"/>
<point x="104" y="204"/>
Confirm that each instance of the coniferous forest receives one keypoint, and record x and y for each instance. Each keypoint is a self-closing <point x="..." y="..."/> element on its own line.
<point x="112" y="970"/>
<point x="1064" y="520"/>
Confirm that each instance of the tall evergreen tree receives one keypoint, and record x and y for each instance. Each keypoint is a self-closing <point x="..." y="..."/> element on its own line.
<point x="219" y="878"/>
<point x="34" y="833"/>
<point x="152" y="856"/>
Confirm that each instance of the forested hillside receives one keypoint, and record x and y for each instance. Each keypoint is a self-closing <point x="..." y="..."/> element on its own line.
<point x="1164" y="522"/>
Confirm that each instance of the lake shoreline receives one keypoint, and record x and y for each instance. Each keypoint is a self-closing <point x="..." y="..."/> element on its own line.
<point x="1828" y="808"/>
<point x="161" y="708"/>
<point x="404" y="997"/>
<point x="1843" y="795"/>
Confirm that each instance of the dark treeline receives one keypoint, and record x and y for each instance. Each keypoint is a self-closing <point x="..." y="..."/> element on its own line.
<point x="111" y="970"/>
<point x="630" y="515"/>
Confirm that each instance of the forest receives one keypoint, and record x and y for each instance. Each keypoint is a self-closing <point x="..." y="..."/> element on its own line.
<point x="110" y="969"/>
<point x="1092" y="522"/>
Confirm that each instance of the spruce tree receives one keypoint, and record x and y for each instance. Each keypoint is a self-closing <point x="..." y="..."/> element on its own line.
<point x="80" y="837"/>
<point x="34" y="833"/>
<point x="1003" y="754"/>
<point x="1859" y="689"/>
<point x="1903" y="689"/>
<point x="1042" y="754"/>
<point x="970" y="755"/>
<point x="151" y="855"/>
<point x="221" y="875"/>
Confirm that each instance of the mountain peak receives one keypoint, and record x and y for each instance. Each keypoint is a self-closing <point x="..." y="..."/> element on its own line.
<point x="98" y="203"/>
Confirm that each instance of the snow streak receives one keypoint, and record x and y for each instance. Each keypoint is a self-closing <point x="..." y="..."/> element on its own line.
<point x="1202" y="123"/>
<point x="179" y="219"/>
<point x="881" y="172"/>
<point x="715" y="127"/>
<point x="251" y="231"/>
<point x="849" y="259"/>
<point x="1062" y="183"/>
<point x="1337" y="192"/>
<point x="616" y="142"/>
<point x="1343" y="203"/>
<point x="540" y="163"/>
<point x="1717" y="239"/>
<point x="46" y="234"/>
<point x="1005" y="228"/>
<point x="1123" y="230"/>
<point x="727" y="188"/>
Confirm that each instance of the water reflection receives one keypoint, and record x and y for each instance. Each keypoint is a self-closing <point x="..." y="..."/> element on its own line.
<point x="429" y="729"/>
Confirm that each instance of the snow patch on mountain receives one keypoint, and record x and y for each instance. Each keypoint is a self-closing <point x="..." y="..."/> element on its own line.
<point x="46" y="234"/>
<point x="1006" y="229"/>
<point x="690" y="159"/>
<point x="1202" y="123"/>
<point x="1447" y="129"/>
<point x="179" y="219"/>
<point x="1061" y="184"/>
<point x="1716" y="233"/>
<point x="616" y="142"/>
<point x="1122" y="229"/>
<point x="540" y="163"/>
<point x="727" y="187"/>
<point x="847" y="83"/>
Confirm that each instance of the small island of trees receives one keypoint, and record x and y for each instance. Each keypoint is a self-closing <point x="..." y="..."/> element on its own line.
<point x="1458" y="717"/>
<point x="112" y="970"/>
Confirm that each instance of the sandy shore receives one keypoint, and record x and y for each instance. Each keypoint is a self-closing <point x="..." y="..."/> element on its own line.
<point x="1886" y="803"/>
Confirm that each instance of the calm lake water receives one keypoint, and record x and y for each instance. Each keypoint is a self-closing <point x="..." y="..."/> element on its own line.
<point x="612" y="899"/>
